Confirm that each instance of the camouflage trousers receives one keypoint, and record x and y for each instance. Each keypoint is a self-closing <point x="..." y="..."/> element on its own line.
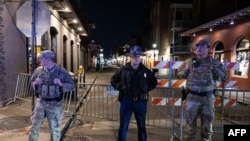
<point x="54" y="115"/>
<point x="199" y="107"/>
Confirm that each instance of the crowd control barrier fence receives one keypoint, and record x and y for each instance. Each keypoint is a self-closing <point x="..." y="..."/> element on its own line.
<point x="165" y="106"/>
<point x="24" y="91"/>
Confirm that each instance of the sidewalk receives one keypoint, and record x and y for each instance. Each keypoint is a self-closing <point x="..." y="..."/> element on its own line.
<point x="96" y="129"/>
<point x="15" y="124"/>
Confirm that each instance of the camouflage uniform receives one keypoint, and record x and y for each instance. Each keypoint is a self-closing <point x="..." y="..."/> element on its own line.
<point x="49" y="101"/>
<point x="201" y="81"/>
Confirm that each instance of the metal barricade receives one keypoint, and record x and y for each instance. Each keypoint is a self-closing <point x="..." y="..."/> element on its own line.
<point x="232" y="107"/>
<point x="24" y="91"/>
<point x="98" y="103"/>
<point x="69" y="102"/>
<point x="165" y="108"/>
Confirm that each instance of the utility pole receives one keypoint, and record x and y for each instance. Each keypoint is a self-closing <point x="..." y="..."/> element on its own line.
<point x="33" y="33"/>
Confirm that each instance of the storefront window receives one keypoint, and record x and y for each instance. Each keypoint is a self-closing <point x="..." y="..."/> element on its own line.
<point x="242" y="57"/>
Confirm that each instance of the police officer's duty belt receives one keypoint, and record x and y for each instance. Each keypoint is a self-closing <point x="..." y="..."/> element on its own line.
<point x="142" y="97"/>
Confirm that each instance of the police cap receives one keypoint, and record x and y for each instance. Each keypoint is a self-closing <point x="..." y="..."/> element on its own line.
<point x="136" y="51"/>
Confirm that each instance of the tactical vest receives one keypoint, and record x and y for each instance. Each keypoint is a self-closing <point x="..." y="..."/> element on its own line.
<point x="201" y="78"/>
<point x="48" y="90"/>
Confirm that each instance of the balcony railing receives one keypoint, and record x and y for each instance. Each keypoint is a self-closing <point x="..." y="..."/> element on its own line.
<point x="177" y="49"/>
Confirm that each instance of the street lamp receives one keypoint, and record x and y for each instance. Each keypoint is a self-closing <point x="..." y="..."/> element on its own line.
<point x="101" y="57"/>
<point x="154" y="46"/>
<point x="99" y="50"/>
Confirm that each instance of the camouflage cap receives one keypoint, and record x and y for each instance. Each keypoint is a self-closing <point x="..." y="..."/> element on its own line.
<point x="47" y="54"/>
<point x="203" y="42"/>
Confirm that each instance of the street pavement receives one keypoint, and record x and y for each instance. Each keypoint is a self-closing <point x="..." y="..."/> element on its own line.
<point x="15" y="122"/>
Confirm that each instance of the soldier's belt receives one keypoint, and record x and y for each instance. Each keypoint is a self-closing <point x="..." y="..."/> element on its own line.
<point x="53" y="99"/>
<point x="200" y="93"/>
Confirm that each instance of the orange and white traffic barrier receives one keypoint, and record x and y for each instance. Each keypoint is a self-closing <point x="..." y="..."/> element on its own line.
<point x="174" y="102"/>
<point x="166" y="64"/>
<point x="232" y="65"/>
<point x="177" y="64"/>
<point x="161" y="101"/>
<point x="177" y="83"/>
<point x="226" y="102"/>
<point x="228" y="84"/>
<point x="158" y="101"/>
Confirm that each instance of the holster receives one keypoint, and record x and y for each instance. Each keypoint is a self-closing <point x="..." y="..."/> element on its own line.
<point x="184" y="94"/>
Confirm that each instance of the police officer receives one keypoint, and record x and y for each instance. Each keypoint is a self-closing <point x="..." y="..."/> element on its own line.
<point x="201" y="72"/>
<point x="133" y="81"/>
<point x="50" y="81"/>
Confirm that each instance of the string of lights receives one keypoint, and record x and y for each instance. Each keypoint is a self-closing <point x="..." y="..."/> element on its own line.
<point x="230" y="19"/>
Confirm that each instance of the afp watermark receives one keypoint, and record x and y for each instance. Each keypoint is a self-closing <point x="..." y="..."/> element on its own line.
<point x="241" y="132"/>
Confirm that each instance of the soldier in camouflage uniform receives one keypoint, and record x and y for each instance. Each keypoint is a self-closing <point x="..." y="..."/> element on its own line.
<point x="201" y="72"/>
<point x="50" y="81"/>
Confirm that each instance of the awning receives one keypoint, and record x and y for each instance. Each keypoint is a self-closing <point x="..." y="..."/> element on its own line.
<point x="226" y="20"/>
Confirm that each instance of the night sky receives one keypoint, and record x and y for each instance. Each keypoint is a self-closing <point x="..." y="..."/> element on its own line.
<point x="115" y="21"/>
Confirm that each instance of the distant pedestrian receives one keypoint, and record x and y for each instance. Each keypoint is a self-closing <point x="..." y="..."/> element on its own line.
<point x="50" y="81"/>
<point x="202" y="72"/>
<point x="133" y="81"/>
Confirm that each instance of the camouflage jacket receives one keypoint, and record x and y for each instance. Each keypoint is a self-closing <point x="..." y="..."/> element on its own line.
<point x="202" y="77"/>
<point x="48" y="77"/>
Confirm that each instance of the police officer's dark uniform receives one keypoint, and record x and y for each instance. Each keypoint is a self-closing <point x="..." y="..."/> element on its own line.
<point x="133" y="84"/>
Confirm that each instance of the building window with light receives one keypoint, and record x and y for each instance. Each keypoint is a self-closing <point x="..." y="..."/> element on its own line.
<point x="242" y="57"/>
<point x="219" y="52"/>
<point x="53" y="35"/>
<point x="64" y="46"/>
